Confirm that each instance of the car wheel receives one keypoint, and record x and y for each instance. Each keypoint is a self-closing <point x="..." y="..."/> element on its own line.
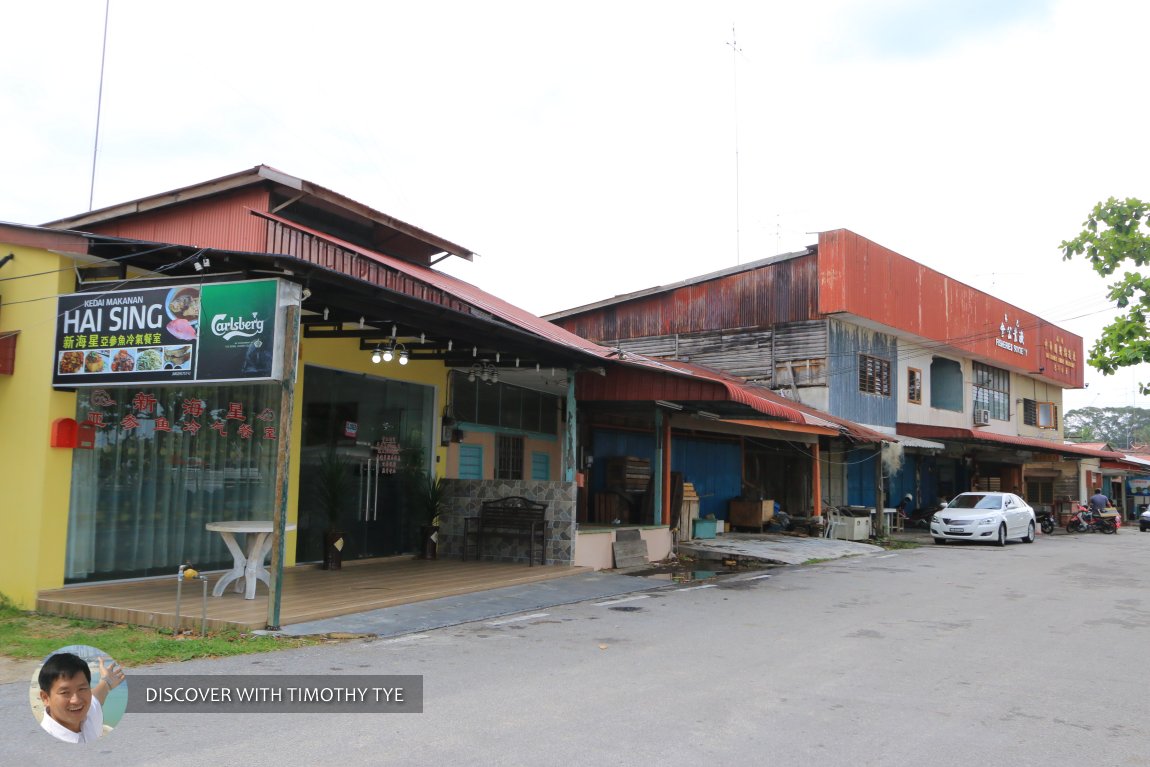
<point x="940" y="541"/>
<point x="1029" y="534"/>
<point x="1001" y="539"/>
<point x="1143" y="528"/>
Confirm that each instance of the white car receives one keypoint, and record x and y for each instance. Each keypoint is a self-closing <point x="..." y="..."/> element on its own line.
<point x="986" y="516"/>
<point x="1144" y="521"/>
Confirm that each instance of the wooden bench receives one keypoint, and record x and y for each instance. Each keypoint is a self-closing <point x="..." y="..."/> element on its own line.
<point x="512" y="515"/>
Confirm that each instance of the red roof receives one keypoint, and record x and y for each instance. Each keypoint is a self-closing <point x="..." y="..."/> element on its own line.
<point x="737" y="390"/>
<point x="1048" y="445"/>
<point x="465" y="291"/>
<point x="648" y="379"/>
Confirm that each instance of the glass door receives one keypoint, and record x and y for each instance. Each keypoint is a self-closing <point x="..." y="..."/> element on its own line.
<point x="379" y="432"/>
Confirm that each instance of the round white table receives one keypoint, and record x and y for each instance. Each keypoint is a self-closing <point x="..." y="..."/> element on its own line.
<point x="250" y="565"/>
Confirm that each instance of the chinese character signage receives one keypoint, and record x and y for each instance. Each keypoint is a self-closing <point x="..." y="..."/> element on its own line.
<point x="187" y="333"/>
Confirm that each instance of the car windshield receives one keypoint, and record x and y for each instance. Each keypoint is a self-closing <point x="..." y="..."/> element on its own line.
<point x="976" y="501"/>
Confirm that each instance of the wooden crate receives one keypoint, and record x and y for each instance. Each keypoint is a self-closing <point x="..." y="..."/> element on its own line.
<point x="628" y="474"/>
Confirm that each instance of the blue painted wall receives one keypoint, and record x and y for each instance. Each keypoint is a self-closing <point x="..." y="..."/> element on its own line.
<point x="861" y="476"/>
<point x="903" y="482"/>
<point x="714" y="467"/>
<point x="845" y="343"/>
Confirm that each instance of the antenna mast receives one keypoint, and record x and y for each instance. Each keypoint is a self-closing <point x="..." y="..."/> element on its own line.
<point x="99" y="104"/>
<point x="735" y="50"/>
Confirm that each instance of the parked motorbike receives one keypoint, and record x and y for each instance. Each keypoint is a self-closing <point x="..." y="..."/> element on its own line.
<point x="1046" y="521"/>
<point x="919" y="518"/>
<point x="1087" y="521"/>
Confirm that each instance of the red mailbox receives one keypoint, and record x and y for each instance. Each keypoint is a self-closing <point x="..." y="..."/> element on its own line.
<point x="64" y="432"/>
<point x="67" y="433"/>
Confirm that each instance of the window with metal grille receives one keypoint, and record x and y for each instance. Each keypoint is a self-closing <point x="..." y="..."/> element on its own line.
<point x="874" y="375"/>
<point x="1044" y="415"/>
<point x="914" y="385"/>
<point x="509" y="461"/>
<point x="992" y="391"/>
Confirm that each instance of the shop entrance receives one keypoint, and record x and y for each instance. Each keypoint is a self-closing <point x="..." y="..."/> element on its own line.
<point x="377" y="434"/>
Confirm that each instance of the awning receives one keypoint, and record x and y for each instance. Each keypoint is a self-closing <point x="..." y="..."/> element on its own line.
<point x="980" y="436"/>
<point x="646" y="379"/>
<point x="1127" y="466"/>
<point x="922" y="444"/>
<point x="778" y="426"/>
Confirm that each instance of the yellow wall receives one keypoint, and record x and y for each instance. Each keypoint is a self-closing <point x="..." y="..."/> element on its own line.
<point x="36" y="478"/>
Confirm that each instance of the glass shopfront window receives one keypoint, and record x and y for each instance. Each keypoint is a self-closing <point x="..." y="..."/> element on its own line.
<point x="167" y="461"/>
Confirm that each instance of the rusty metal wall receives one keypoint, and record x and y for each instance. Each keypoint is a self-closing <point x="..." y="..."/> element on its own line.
<point x="219" y="222"/>
<point x="646" y="385"/>
<point x="864" y="279"/>
<point x="785" y="291"/>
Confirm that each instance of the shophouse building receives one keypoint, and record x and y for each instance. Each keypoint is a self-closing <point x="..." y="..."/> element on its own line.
<point x="152" y="405"/>
<point x="969" y="384"/>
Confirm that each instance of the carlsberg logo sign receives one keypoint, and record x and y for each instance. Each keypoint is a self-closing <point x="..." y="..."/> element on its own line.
<point x="228" y="328"/>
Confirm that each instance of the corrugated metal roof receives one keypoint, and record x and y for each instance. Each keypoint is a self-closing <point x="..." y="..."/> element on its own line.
<point x="749" y="266"/>
<point x="924" y="444"/>
<point x="736" y="390"/>
<point x="465" y="291"/>
<point x="970" y="435"/>
<point x="258" y="175"/>
<point x="760" y="399"/>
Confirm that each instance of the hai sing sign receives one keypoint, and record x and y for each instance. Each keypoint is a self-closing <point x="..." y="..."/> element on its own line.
<point x="223" y="331"/>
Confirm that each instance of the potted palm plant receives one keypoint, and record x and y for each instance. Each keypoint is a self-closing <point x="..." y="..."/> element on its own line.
<point x="331" y="479"/>
<point x="431" y="501"/>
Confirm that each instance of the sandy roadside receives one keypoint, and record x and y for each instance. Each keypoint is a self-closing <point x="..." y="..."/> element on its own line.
<point x="16" y="670"/>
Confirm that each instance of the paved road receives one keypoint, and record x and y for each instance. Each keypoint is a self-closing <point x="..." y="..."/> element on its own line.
<point x="954" y="655"/>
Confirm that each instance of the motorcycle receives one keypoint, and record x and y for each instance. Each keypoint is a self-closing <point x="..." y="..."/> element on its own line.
<point x="919" y="518"/>
<point x="1046" y="521"/>
<point x="1086" y="521"/>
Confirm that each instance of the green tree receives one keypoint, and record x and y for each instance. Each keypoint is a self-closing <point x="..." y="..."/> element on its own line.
<point x="1122" y="427"/>
<point x="1117" y="233"/>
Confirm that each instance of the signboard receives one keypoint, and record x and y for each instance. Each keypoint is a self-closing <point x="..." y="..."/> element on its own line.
<point x="1139" y="487"/>
<point x="224" y="331"/>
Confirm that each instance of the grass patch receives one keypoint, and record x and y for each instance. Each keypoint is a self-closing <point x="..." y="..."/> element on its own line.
<point x="816" y="560"/>
<point x="893" y="545"/>
<point x="32" y="636"/>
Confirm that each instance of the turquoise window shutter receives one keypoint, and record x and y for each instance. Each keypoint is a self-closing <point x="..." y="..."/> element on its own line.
<point x="470" y="462"/>
<point x="541" y="467"/>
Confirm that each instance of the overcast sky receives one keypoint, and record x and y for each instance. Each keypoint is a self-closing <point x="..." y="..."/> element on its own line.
<point x="586" y="150"/>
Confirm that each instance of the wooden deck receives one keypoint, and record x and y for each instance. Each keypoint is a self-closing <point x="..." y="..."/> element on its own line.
<point x="308" y="593"/>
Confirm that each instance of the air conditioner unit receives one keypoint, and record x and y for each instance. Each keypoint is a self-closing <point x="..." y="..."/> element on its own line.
<point x="981" y="417"/>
